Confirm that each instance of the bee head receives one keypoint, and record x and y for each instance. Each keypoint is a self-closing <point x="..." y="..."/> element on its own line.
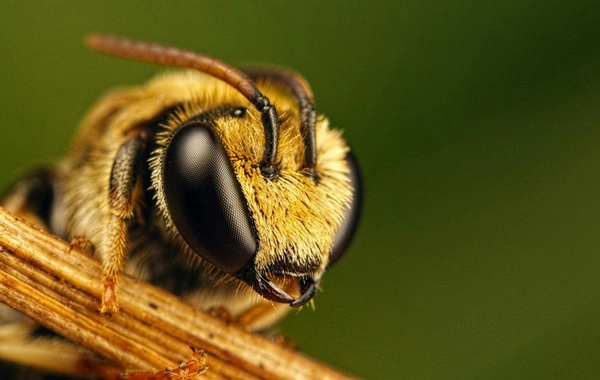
<point x="267" y="232"/>
<point x="267" y="199"/>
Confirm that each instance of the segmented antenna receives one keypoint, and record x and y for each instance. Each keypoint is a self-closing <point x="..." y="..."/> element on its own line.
<point x="300" y="89"/>
<point x="170" y="56"/>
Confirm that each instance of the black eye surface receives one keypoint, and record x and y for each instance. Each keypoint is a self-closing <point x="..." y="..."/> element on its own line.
<point x="345" y="233"/>
<point x="205" y="200"/>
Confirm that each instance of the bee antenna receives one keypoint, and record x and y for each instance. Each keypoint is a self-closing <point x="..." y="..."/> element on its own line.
<point x="170" y="56"/>
<point x="300" y="89"/>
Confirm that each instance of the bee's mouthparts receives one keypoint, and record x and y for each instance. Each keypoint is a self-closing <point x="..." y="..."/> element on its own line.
<point x="269" y="290"/>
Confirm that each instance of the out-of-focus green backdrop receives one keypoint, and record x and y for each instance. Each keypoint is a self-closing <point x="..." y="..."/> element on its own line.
<point x="477" y="125"/>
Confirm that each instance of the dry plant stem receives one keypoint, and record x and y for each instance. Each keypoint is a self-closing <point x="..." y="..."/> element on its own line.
<point x="61" y="290"/>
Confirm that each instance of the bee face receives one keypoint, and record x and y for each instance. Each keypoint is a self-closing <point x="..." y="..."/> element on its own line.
<point x="263" y="230"/>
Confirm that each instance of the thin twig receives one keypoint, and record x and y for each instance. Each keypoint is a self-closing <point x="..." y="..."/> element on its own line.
<point x="61" y="290"/>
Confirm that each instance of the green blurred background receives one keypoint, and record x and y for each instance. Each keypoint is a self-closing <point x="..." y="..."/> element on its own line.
<point x="477" y="125"/>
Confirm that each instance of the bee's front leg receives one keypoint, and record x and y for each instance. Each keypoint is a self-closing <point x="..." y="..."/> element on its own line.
<point x="122" y="203"/>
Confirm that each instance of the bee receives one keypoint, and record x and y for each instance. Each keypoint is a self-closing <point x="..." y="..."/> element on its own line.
<point x="220" y="185"/>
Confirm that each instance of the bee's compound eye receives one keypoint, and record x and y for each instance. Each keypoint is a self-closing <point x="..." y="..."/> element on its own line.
<point x="345" y="233"/>
<point x="205" y="200"/>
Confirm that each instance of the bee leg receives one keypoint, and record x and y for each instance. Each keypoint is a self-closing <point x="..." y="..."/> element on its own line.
<point x="83" y="244"/>
<point x="186" y="370"/>
<point x="221" y="313"/>
<point x="122" y="203"/>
